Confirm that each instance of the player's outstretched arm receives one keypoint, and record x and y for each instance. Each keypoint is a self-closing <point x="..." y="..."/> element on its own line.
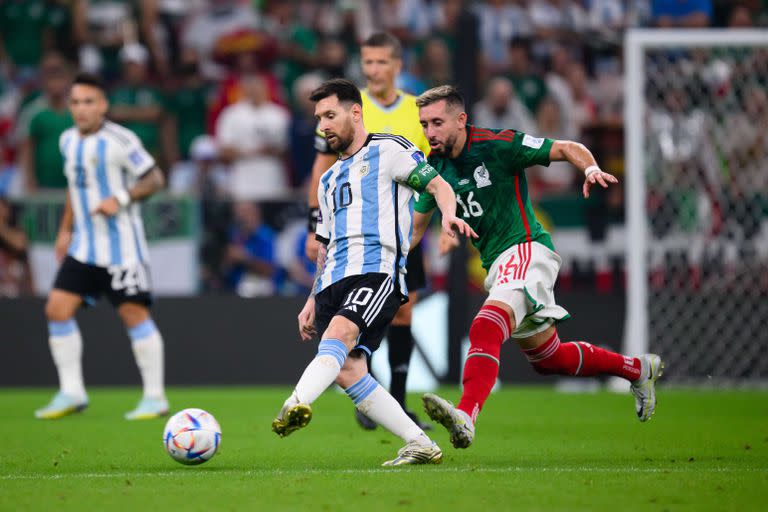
<point x="581" y="157"/>
<point x="307" y="314"/>
<point x="446" y="201"/>
<point x="64" y="235"/>
<point x="420" y="223"/>
<point x="147" y="185"/>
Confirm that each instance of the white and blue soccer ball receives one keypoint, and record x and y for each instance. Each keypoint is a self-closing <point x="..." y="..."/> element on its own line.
<point x="192" y="436"/>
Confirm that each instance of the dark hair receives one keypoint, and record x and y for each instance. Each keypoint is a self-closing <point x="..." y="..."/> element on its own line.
<point x="449" y="93"/>
<point x="83" y="78"/>
<point x="385" y="40"/>
<point x="342" y="88"/>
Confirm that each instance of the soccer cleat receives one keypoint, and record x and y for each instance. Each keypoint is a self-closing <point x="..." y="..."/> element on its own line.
<point x="458" y="424"/>
<point x="415" y="453"/>
<point x="644" y="388"/>
<point x="148" y="409"/>
<point x="291" y="419"/>
<point x="61" y="405"/>
<point x="364" y="421"/>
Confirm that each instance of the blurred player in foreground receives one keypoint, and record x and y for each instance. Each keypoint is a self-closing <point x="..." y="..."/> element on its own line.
<point x="364" y="229"/>
<point x="104" y="252"/>
<point x="486" y="168"/>
<point x="386" y="109"/>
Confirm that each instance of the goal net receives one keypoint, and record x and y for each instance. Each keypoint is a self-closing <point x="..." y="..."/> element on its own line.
<point x="697" y="202"/>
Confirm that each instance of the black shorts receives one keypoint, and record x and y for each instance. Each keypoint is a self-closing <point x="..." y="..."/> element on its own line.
<point x="368" y="300"/>
<point x="119" y="284"/>
<point x="416" y="278"/>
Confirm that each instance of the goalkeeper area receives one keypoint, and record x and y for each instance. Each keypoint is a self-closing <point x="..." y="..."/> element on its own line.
<point x="536" y="449"/>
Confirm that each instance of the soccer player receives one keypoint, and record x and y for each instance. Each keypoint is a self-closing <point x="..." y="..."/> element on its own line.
<point x="366" y="200"/>
<point x="101" y="241"/>
<point x="485" y="168"/>
<point x="386" y="109"/>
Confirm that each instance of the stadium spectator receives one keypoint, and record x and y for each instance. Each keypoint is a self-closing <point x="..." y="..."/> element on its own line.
<point x="202" y="175"/>
<point x="435" y="66"/>
<point x="218" y="19"/>
<point x="297" y="43"/>
<point x="559" y="88"/>
<point x="458" y="26"/>
<point x="558" y="176"/>
<point x="408" y="20"/>
<point x="188" y="104"/>
<point x="27" y="29"/>
<point x="501" y="109"/>
<point x="303" y="128"/>
<point x="139" y="106"/>
<point x="250" y="255"/>
<point x="681" y="13"/>
<point x="529" y="85"/>
<point x="585" y="107"/>
<point x="253" y="137"/>
<point x="48" y="117"/>
<point x="500" y="22"/>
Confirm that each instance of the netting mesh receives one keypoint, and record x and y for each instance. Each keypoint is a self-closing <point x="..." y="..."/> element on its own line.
<point x="706" y="156"/>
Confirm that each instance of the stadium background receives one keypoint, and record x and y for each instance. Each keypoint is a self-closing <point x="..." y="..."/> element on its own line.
<point x="550" y="67"/>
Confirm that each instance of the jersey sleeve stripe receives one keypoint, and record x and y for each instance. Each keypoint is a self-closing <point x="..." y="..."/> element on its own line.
<point x="401" y="141"/>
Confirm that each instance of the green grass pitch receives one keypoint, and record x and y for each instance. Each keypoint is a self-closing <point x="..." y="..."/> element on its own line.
<point x="535" y="450"/>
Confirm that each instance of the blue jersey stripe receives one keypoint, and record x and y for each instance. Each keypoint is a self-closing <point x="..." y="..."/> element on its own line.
<point x="116" y="255"/>
<point x="369" y="187"/>
<point x="80" y="185"/>
<point x="340" y="253"/>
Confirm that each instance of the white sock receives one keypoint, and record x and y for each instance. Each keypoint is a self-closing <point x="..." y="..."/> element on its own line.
<point x="375" y="402"/>
<point x="67" y="350"/>
<point x="320" y="372"/>
<point x="147" y="347"/>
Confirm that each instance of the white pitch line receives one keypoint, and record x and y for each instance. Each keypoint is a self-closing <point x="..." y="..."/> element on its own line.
<point x="181" y="473"/>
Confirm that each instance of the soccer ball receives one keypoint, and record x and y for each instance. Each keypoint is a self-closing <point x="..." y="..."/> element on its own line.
<point x="192" y="436"/>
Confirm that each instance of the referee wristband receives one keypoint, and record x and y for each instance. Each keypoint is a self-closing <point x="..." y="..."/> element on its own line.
<point x="123" y="198"/>
<point x="589" y="170"/>
<point x="312" y="218"/>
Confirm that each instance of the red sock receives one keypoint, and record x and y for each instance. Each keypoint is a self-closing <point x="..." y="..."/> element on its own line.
<point x="488" y="331"/>
<point x="581" y="359"/>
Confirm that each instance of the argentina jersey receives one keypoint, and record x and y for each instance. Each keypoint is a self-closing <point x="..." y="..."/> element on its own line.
<point x="96" y="166"/>
<point x="366" y="209"/>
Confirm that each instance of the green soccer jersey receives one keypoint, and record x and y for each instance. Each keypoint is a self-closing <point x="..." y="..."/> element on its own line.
<point x="491" y="190"/>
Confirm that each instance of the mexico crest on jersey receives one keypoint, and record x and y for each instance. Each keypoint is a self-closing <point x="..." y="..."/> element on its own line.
<point x="482" y="176"/>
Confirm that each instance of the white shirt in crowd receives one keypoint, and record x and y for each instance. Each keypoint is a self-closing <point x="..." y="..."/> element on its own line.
<point x="248" y="127"/>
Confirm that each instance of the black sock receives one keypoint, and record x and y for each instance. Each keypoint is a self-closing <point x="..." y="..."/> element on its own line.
<point x="400" y="348"/>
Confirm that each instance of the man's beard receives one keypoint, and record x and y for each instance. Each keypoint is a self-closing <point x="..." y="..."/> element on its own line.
<point x="342" y="143"/>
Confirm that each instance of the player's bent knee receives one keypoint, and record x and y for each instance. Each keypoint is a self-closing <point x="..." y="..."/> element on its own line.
<point x="342" y="329"/>
<point x="60" y="307"/>
<point x="133" y="314"/>
<point x="404" y="315"/>
<point x="354" y="369"/>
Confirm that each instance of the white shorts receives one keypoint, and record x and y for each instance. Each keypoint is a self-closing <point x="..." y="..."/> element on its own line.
<point x="523" y="277"/>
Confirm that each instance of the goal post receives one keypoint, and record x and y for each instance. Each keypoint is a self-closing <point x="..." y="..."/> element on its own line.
<point x="697" y="202"/>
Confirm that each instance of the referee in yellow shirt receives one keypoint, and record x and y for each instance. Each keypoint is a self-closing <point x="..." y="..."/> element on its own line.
<point x="386" y="109"/>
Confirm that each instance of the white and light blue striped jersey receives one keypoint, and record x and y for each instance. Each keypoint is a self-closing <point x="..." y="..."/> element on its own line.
<point x="97" y="165"/>
<point x="366" y="210"/>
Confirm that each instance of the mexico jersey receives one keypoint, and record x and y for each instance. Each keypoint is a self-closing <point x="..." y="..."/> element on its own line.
<point x="400" y="118"/>
<point x="366" y="209"/>
<point x="96" y="166"/>
<point x="491" y="190"/>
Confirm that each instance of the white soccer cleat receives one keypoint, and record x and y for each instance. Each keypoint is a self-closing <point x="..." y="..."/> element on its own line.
<point x="644" y="388"/>
<point x="61" y="405"/>
<point x="148" y="409"/>
<point x="415" y="453"/>
<point x="458" y="423"/>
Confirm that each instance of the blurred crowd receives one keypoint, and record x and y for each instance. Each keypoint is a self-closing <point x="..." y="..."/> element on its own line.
<point x="217" y="92"/>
